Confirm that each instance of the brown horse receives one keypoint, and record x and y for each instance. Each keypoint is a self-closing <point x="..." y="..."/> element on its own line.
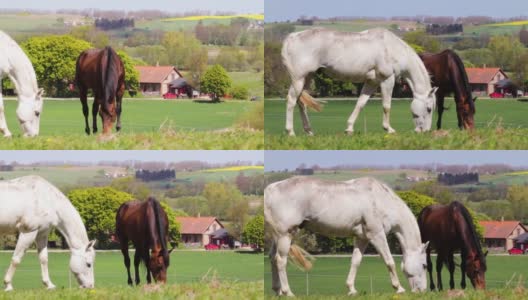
<point x="449" y="228"/>
<point x="102" y="71"/>
<point x="449" y="75"/>
<point x="146" y="225"/>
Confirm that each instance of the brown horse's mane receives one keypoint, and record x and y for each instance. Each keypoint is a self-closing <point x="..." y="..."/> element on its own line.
<point x="469" y="222"/>
<point x="110" y="75"/>
<point x="161" y="229"/>
<point x="462" y="71"/>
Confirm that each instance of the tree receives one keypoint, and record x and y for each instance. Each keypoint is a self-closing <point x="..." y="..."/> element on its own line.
<point x="131" y="74"/>
<point x="254" y="232"/>
<point x="130" y="185"/>
<point x="174" y="226"/>
<point x="193" y="205"/>
<point x="220" y="196"/>
<point x="92" y="35"/>
<point x="415" y="201"/>
<point x="216" y="81"/>
<point x="505" y="51"/>
<point x="422" y="39"/>
<point x="97" y="207"/>
<point x="518" y="198"/>
<point x="276" y="77"/>
<point x="439" y="192"/>
<point x="180" y="47"/>
<point x="53" y="58"/>
<point x="523" y="36"/>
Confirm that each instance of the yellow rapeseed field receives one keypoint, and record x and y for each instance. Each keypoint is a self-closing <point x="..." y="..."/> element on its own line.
<point x="514" y="23"/>
<point x="236" y="168"/>
<point x="198" y="18"/>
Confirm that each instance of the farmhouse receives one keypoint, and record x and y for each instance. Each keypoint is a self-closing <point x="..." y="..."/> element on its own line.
<point x="158" y="80"/>
<point x="200" y="231"/>
<point x="501" y="235"/>
<point x="483" y="80"/>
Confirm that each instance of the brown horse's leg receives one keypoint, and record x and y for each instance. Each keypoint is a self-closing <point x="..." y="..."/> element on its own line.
<point x="95" y="110"/>
<point x="137" y="260"/>
<point x="146" y="257"/>
<point x="124" y="250"/>
<point x="84" y="102"/>
<point x="451" y="267"/>
<point x="440" y="105"/>
<point x="439" y="263"/>
<point x="108" y="117"/>
<point x="119" y="100"/>
<point x="463" y="268"/>
<point x="430" y="269"/>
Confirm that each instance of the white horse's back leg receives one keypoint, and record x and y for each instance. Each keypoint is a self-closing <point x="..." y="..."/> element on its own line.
<point x="24" y="241"/>
<point x="367" y="90"/>
<point x="275" y="283"/>
<point x="293" y="95"/>
<point x="3" y="123"/>
<point x="281" y="260"/>
<point x="386" y="95"/>
<point x="379" y="241"/>
<point x="42" y="247"/>
<point x="359" y="248"/>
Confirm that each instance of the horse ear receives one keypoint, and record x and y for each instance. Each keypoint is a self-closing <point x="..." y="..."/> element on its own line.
<point x="433" y="91"/>
<point x="425" y="246"/>
<point x="91" y="244"/>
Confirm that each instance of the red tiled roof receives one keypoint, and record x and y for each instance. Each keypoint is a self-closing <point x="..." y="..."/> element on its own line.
<point x="482" y="75"/>
<point x="195" y="225"/>
<point x="154" y="74"/>
<point x="499" y="229"/>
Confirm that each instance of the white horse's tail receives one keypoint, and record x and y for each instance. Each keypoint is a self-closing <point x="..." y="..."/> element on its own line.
<point x="300" y="258"/>
<point x="304" y="97"/>
<point x="310" y="102"/>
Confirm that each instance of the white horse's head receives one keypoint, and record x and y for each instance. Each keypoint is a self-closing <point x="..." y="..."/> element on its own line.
<point x="82" y="265"/>
<point x="414" y="266"/>
<point x="422" y="108"/>
<point x="28" y="113"/>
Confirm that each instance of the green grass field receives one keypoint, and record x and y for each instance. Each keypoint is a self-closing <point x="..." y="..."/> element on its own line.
<point x="146" y="124"/>
<point x="186" y="266"/>
<point x="329" y="274"/>
<point x="501" y="124"/>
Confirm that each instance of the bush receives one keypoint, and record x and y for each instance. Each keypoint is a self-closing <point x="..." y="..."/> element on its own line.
<point x="240" y="92"/>
<point x="415" y="201"/>
<point x="216" y="81"/>
<point x="97" y="207"/>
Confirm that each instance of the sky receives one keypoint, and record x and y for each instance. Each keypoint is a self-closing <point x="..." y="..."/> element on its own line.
<point x="281" y="10"/>
<point x="210" y="156"/>
<point x="239" y="6"/>
<point x="280" y="160"/>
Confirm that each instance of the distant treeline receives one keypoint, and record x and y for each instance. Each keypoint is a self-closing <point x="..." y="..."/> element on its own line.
<point x="108" y="24"/>
<point x="452" y="179"/>
<point x="437" y="29"/>
<point x="147" y="175"/>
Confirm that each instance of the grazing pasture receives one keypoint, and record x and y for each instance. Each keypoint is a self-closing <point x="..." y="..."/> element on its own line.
<point x="185" y="267"/>
<point x="146" y="124"/>
<point x="500" y="124"/>
<point x="329" y="274"/>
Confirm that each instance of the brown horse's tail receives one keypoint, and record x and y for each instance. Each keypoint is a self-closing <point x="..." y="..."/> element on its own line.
<point x="310" y="102"/>
<point x="78" y="68"/>
<point x="110" y="76"/>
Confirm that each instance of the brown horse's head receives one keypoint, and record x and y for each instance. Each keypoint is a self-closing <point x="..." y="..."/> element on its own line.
<point x="476" y="270"/>
<point x="158" y="264"/>
<point x="466" y="113"/>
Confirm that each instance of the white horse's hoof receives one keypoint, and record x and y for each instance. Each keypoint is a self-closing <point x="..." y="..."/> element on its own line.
<point x="291" y="133"/>
<point x="309" y="133"/>
<point x="349" y="132"/>
<point x="391" y="130"/>
<point x="400" y="290"/>
<point x="50" y="286"/>
<point x="8" y="288"/>
<point x="8" y="135"/>
<point x="352" y="292"/>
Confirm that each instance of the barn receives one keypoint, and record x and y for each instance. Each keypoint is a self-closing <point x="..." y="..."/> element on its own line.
<point x="501" y="235"/>
<point x="483" y="81"/>
<point x="158" y="80"/>
<point x="197" y="232"/>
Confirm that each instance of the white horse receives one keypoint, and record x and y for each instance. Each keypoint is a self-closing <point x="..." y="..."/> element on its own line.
<point x="33" y="207"/>
<point x="16" y="65"/>
<point x="364" y="208"/>
<point x="376" y="57"/>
